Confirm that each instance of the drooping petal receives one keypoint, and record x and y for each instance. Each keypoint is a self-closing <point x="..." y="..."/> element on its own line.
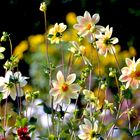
<point x="13" y="93"/>
<point x="71" y="78"/>
<point x="7" y="76"/>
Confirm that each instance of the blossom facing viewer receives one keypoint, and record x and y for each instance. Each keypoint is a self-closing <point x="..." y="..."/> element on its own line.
<point x="131" y="73"/>
<point x="87" y="26"/>
<point x="105" y="43"/>
<point x="12" y="84"/>
<point x="55" y="33"/>
<point x="89" y="131"/>
<point x="63" y="89"/>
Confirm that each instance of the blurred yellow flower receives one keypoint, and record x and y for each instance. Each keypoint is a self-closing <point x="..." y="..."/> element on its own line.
<point x="20" y="49"/>
<point x="35" y="41"/>
<point x="71" y="18"/>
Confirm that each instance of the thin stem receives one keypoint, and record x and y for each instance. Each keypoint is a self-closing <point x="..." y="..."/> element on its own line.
<point x="10" y="46"/>
<point x="5" y="113"/>
<point x="62" y="58"/>
<point x="128" y="115"/>
<point x="117" y="63"/>
<point x="46" y="40"/>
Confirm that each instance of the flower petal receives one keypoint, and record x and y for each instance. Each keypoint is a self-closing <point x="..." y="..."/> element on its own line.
<point x="60" y="77"/>
<point x="71" y="78"/>
<point x="95" y="18"/>
<point x="75" y="87"/>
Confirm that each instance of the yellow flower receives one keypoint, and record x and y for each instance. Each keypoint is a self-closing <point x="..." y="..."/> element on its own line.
<point x="89" y="131"/>
<point x="105" y="43"/>
<point x="71" y="18"/>
<point x="56" y="32"/>
<point x="20" y="49"/>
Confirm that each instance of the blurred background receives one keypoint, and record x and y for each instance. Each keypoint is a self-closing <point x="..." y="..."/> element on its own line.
<point x="22" y="18"/>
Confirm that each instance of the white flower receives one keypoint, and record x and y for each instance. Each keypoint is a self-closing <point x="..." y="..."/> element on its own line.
<point x="12" y="84"/>
<point x="63" y="89"/>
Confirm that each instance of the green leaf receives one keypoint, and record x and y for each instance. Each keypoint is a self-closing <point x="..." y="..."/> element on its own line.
<point x="136" y="133"/>
<point x="31" y="128"/>
<point x="21" y="122"/>
<point x="46" y="108"/>
<point x="32" y="120"/>
<point x="127" y="94"/>
<point x="127" y="131"/>
<point x="1" y="130"/>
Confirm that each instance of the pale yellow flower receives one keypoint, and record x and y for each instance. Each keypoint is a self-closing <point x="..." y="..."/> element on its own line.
<point x="131" y="73"/>
<point x="105" y="43"/>
<point x="89" y="131"/>
<point x="56" y="32"/>
<point x="63" y="90"/>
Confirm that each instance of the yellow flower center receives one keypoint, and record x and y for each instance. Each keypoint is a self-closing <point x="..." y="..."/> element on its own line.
<point x="92" y="134"/>
<point x="65" y="87"/>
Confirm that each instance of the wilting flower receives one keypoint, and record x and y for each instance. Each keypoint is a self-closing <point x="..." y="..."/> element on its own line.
<point x="55" y="33"/>
<point x="79" y="51"/>
<point x="89" y="131"/>
<point x="105" y="43"/>
<point x="131" y="73"/>
<point x="87" y="26"/>
<point x="12" y="84"/>
<point x="63" y="89"/>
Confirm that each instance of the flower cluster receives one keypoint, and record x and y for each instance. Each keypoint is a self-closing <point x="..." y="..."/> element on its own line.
<point x="78" y="88"/>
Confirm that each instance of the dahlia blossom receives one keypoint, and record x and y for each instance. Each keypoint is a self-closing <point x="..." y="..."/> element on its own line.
<point x="89" y="131"/>
<point x="63" y="89"/>
<point x="87" y="26"/>
<point x="105" y="43"/>
<point x="131" y="73"/>
<point x="55" y="33"/>
<point x="12" y="84"/>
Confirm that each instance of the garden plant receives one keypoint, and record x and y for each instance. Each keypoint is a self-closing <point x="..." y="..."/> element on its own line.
<point x="80" y="84"/>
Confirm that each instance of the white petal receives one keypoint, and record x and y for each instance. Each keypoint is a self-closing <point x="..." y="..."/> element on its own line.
<point x="114" y="40"/>
<point x="60" y="77"/>
<point x="75" y="87"/>
<point x="13" y="93"/>
<point x="54" y="92"/>
<point x="71" y="78"/>
<point x="95" y="18"/>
